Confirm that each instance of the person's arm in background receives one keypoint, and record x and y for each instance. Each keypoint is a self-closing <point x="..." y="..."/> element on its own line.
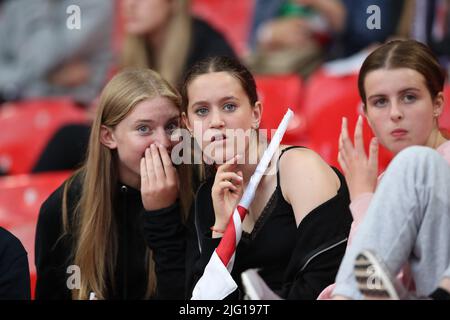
<point x="332" y="10"/>
<point x="272" y="32"/>
<point x="264" y="11"/>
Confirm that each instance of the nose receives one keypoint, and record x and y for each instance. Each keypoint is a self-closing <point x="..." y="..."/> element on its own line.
<point x="216" y="120"/>
<point x="127" y="7"/>
<point x="163" y="138"/>
<point x="126" y="4"/>
<point x="396" y="112"/>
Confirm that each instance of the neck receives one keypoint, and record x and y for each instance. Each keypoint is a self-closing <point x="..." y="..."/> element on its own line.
<point x="130" y="179"/>
<point x="436" y="139"/>
<point x="156" y="39"/>
<point x="249" y="168"/>
<point x="247" y="171"/>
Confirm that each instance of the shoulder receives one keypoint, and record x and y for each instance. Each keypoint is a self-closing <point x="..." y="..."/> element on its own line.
<point x="306" y="163"/>
<point x="10" y="245"/>
<point x="444" y="150"/>
<point x="51" y="209"/>
<point x="306" y="181"/>
<point x="200" y="26"/>
<point x="209" y="41"/>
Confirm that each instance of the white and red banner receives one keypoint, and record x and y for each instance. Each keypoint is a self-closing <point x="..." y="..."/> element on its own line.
<point x="216" y="282"/>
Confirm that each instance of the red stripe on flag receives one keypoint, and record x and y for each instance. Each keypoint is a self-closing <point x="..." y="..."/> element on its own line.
<point x="227" y="245"/>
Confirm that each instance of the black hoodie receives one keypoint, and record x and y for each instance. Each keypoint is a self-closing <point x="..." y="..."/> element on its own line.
<point x="54" y="254"/>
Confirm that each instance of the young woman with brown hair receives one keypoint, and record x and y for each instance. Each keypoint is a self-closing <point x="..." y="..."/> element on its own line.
<point x="405" y="219"/>
<point x="297" y="225"/>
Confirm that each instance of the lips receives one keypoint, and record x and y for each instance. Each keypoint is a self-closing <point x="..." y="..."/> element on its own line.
<point x="397" y="133"/>
<point x="218" y="137"/>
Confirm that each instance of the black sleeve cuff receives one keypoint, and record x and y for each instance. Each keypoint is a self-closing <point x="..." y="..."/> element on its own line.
<point x="163" y="226"/>
<point x="209" y="244"/>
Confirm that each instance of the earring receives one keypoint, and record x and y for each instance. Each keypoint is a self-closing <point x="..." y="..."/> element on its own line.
<point x="257" y="126"/>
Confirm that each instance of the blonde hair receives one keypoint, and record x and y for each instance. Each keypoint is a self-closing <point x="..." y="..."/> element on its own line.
<point x="171" y="59"/>
<point x="94" y="225"/>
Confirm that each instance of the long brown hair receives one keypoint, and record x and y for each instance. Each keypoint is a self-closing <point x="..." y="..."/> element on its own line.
<point x="94" y="225"/>
<point x="220" y="64"/>
<point x="171" y="59"/>
<point x="235" y="69"/>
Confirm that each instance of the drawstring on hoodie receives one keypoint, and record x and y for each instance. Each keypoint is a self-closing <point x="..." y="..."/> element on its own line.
<point x="124" y="191"/>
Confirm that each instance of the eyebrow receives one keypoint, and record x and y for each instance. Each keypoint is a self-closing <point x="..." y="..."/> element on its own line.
<point x="177" y="117"/>
<point x="400" y="92"/>
<point x="221" y="100"/>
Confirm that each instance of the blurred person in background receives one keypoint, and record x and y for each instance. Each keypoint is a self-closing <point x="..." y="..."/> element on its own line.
<point x="346" y="19"/>
<point x="44" y="53"/>
<point x="163" y="36"/>
<point x="160" y="35"/>
<point x="290" y="35"/>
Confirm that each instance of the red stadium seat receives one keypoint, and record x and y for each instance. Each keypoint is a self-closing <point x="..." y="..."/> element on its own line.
<point x="444" y="120"/>
<point x="277" y="93"/>
<point x="27" y="127"/>
<point x="327" y="100"/>
<point x="21" y="197"/>
<point x="231" y="17"/>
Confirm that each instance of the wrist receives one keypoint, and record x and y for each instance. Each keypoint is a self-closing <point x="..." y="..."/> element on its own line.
<point x="155" y="206"/>
<point x="216" y="233"/>
<point x="217" y="230"/>
<point x="219" y="227"/>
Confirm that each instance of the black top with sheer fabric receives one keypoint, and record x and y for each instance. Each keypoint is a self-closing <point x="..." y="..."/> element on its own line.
<point x="297" y="263"/>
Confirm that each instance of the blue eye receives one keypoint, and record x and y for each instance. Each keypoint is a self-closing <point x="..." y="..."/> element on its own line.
<point x="380" y="102"/>
<point x="409" y="98"/>
<point x="172" y="127"/>
<point x="229" y="107"/>
<point x="143" y="129"/>
<point x="202" y="111"/>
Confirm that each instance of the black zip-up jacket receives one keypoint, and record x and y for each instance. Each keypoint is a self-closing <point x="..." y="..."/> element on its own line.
<point x="319" y="246"/>
<point x="160" y="230"/>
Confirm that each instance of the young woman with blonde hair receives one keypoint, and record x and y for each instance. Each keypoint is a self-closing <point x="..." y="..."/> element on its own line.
<point x="161" y="35"/>
<point x="93" y="235"/>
